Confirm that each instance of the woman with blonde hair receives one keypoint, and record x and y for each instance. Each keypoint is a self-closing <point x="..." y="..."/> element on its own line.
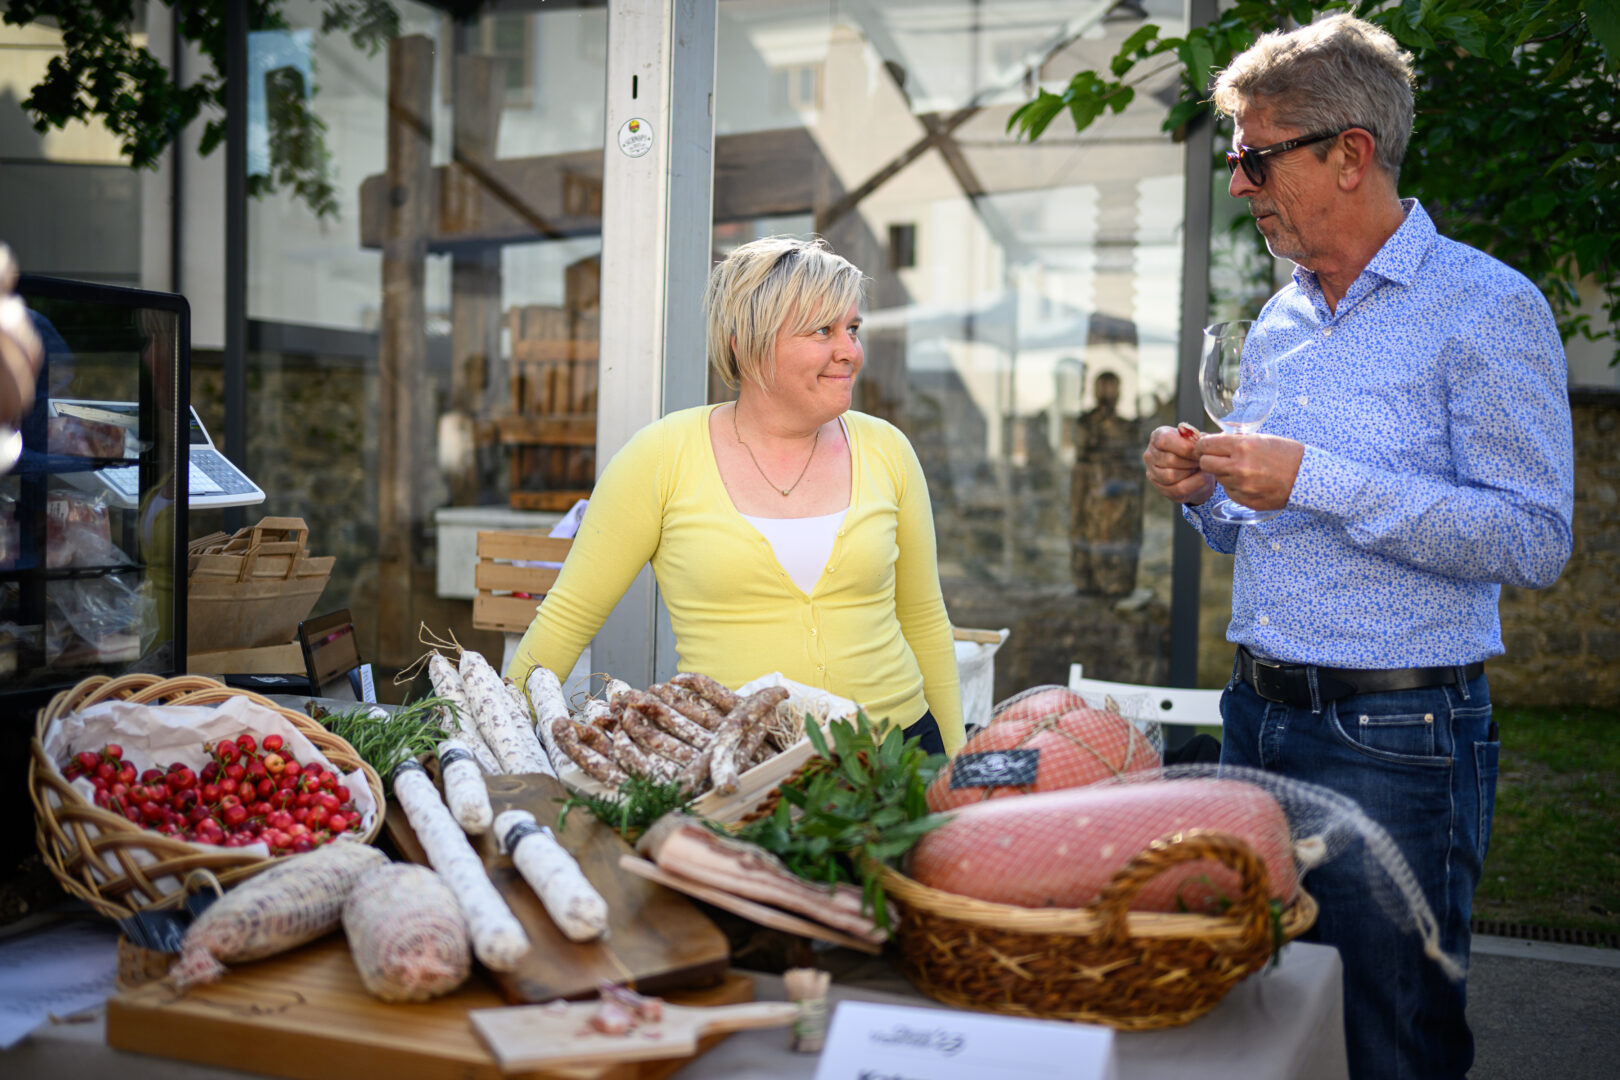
<point x="787" y="532"/>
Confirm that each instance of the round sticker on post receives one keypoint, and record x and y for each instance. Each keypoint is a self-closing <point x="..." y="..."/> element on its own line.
<point x="635" y="137"/>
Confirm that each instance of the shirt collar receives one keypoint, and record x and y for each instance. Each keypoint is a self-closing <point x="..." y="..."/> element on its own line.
<point x="1398" y="260"/>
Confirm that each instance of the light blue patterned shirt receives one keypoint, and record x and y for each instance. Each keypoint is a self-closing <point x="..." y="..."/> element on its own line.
<point x="1434" y="409"/>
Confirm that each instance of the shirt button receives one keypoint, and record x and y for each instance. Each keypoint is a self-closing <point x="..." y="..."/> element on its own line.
<point x="1303" y="400"/>
<point x="830" y="569"/>
<point x="1276" y="546"/>
<point x="1327" y="332"/>
<point x="812" y="631"/>
<point x="1265" y="620"/>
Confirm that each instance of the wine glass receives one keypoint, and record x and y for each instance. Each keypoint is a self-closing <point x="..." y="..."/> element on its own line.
<point x="1239" y="389"/>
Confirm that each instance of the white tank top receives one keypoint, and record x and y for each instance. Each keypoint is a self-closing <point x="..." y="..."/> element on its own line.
<point x="802" y="545"/>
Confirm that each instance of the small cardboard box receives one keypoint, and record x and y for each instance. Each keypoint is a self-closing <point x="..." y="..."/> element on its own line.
<point x="253" y="589"/>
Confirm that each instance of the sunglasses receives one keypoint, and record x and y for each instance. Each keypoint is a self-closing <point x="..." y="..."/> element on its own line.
<point x="1253" y="158"/>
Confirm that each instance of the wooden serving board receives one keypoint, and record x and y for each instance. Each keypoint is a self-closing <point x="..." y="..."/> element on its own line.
<point x="305" y="1016"/>
<point x="527" y="1037"/>
<point x="657" y="939"/>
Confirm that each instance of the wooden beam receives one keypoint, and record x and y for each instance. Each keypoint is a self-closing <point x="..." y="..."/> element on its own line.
<point x="757" y="174"/>
<point x="402" y="339"/>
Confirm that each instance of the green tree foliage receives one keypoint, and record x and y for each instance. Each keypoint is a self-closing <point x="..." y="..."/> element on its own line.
<point x="1516" y="143"/>
<point x="103" y="74"/>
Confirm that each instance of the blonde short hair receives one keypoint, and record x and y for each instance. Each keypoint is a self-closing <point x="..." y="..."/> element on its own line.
<point x="1338" y="73"/>
<point x="754" y="292"/>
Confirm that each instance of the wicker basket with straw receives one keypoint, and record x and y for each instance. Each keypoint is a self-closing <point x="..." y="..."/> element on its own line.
<point x="116" y="866"/>
<point x="1102" y="964"/>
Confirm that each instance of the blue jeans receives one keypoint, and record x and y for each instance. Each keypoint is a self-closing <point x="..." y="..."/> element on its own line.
<point x="1422" y="764"/>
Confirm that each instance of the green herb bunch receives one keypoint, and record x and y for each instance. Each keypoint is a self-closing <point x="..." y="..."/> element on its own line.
<point x="863" y="808"/>
<point x="385" y="741"/>
<point x="638" y="804"/>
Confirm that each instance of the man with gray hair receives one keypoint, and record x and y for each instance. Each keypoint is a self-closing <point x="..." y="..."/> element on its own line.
<point x="1419" y="455"/>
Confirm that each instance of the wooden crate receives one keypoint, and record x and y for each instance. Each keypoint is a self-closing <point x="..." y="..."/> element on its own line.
<point x="497" y="579"/>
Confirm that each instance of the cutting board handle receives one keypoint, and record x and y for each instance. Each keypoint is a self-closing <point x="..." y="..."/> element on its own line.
<point x="724" y="1019"/>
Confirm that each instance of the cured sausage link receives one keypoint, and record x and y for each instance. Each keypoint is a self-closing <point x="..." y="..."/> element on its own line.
<point x="596" y="766"/>
<point x="654" y="739"/>
<point x="697" y="709"/>
<point x="720" y="696"/>
<point x="660" y="713"/>
<point x="744" y="726"/>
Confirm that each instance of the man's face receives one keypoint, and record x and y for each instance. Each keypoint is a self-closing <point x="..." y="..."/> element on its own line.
<point x="1293" y="209"/>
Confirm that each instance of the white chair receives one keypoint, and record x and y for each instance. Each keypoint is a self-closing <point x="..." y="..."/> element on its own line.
<point x="1176" y="705"/>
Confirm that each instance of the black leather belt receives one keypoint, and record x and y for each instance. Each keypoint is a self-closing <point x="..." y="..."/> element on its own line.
<point x="1289" y="684"/>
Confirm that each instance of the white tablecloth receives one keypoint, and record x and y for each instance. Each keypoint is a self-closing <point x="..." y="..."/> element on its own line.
<point x="1284" y="1024"/>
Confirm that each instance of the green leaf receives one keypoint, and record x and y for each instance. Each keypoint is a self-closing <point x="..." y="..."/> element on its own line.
<point x="1603" y="19"/>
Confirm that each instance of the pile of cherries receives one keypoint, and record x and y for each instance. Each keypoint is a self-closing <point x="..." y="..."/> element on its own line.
<point x="247" y="794"/>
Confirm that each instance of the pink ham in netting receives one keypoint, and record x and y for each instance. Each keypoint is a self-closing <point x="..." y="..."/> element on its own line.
<point x="1060" y="848"/>
<point x="1073" y="745"/>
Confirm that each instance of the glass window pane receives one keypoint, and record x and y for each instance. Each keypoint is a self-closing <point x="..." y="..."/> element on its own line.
<point x="1024" y="305"/>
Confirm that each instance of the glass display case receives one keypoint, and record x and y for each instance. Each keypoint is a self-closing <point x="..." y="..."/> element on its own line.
<point x="92" y="512"/>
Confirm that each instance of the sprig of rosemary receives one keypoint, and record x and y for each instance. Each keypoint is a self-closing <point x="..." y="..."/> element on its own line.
<point x="384" y="741"/>
<point x="638" y="804"/>
<point x="864" y="809"/>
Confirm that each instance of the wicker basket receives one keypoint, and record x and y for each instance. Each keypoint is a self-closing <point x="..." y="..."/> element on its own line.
<point x="102" y="869"/>
<point x="1104" y="964"/>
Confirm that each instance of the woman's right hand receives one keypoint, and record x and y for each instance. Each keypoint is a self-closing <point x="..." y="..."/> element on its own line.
<point x="1171" y="458"/>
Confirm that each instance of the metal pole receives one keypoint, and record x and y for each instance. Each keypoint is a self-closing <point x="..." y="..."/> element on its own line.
<point x="1188" y="547"/>
<point x="236" y="76"/>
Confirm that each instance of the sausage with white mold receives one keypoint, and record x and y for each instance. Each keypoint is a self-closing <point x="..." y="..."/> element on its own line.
<point x="464" y="790"/>
<point x="457" y="720"/>
<point x="507" y="731"/>
<point x="498" y="939"/>
<point x="568" y="896"/>
<point x="546" y="699"/>
<point x="654" y="739"/>
<point x="689" y="704"/>
<point x="667" y="718"/>
<point x="567" y="734"/>
<point x="720" y="696"/>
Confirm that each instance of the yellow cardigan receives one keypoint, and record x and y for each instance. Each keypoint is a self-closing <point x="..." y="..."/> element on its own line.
<point x="874" y="629"/>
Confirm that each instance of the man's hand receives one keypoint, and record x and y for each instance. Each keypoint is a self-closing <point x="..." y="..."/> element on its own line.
<point x="1256" y="470"/>
<point x="1171" y="458"/>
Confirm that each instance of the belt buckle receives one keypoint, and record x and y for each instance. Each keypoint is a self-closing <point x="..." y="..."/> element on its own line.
<point x="1271" y="688"/>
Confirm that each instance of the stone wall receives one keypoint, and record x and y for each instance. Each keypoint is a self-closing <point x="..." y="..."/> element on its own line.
<point x="1563" y="642"/>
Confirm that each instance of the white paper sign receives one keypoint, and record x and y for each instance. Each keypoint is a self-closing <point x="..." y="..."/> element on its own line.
<point x="897" y="1042"/>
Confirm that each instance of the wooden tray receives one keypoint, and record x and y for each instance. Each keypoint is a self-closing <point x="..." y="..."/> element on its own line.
<point x="657" y="939"/>
<point x="305" y="1016"/>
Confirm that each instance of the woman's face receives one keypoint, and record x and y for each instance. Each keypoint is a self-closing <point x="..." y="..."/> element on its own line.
<point x="815" y="371"/>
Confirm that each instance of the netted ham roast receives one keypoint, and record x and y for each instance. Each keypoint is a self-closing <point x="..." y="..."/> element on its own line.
<point x="1077" y="744"/>
<point x="1059" y="848"/>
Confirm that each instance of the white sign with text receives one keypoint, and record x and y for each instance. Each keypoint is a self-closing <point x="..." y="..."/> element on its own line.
<point x="896" y="1042"/>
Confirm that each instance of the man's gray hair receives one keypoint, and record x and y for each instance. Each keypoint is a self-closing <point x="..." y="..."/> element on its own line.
<point x="1338" y="73"/>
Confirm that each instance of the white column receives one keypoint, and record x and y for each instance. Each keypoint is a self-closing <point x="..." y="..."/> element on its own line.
<point x="657" y="179"/>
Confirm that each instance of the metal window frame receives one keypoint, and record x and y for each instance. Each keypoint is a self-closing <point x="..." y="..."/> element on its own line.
<point x="656" y="239"/>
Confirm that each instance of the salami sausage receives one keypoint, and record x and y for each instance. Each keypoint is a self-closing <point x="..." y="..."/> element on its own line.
<point x="547" y="701"/>
<point x="636" y="761"/>
<point x="569" y="898"/>
<point x="740" y="735"/>
<point x="457" y="720"/>
<point x="688" y="731"/>
<point x="719" y="696"/>
<point x="507" y="732"/>
<point x="688" y="704"/>
<point x="566" y="734"/>
<point x="653" y="738"/>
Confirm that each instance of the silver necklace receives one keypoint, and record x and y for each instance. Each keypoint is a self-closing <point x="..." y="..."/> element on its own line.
<point x="786" y="491"/>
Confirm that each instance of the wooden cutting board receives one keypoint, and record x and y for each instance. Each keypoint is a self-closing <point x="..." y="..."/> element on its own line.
<point x="527" y="1037"/>
<point x="305" y="1016"/>
<point x="657" y="939"/>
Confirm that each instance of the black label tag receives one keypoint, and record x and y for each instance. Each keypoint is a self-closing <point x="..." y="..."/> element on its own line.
<point x="522" y="830"/>
<point x="455" y="754"/>
<point x="996" y="768"/>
